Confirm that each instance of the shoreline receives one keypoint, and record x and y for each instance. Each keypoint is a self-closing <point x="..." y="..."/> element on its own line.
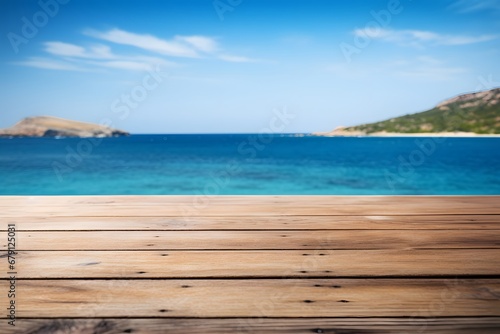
<point x="398" y="134"/>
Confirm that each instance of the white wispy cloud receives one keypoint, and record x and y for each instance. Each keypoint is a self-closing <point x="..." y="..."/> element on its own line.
<point x="469" y="6"/>
<point x="201" y="43"/>
<point x="72" y="50"/>
<point x="71" y="57"/>
<point x="421" y="38"/>
<point x="98" y="55"/>
<point x="196" y="46"/>
<point x="462" y="40"/>
<point x="49" y="64"/>
<point x="138" y="63"/>
<point x="175" y="47"/>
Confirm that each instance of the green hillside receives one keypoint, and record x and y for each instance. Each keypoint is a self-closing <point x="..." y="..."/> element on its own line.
<point x="478" y="113"/>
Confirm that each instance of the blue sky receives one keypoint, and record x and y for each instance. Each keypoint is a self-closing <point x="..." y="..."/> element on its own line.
<point x="226" y="66"/>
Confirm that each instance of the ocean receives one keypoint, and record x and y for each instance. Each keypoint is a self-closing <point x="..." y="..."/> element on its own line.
<point x="250" y="164"/>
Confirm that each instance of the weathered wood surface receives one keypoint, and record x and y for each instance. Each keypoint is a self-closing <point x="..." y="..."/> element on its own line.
<point x="257" y="298"/>
<point x="277" y="264"/>
<point x="258" y="240"/>
<point x="439" y="222"/>
<point x="431" y="325"/>
<point x="406" y="202"/>
<point x="254" y="264"/>
<point x="186" y="206"/>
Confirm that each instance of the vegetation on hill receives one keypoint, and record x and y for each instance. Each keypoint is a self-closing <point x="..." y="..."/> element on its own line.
<point x="477" y="113"/>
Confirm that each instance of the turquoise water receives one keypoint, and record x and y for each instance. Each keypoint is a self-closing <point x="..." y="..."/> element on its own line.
<point x="249" y="164"/>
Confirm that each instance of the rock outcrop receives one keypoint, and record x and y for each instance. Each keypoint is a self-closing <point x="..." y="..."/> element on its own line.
<point x="484" y="98"/>
<point x="47" y="126"/>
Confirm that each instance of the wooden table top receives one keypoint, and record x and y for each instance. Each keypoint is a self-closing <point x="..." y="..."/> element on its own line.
<point x="251" y="264"/>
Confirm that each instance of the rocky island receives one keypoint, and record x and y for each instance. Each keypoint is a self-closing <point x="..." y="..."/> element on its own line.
<point x="48" y="126"/>
<point x="464" y="115"/>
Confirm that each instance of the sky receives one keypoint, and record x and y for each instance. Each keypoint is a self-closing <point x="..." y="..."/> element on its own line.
<point x="230" y="66"/>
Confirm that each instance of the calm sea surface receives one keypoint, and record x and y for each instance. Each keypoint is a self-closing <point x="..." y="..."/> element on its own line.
<point x="249" y="164"/>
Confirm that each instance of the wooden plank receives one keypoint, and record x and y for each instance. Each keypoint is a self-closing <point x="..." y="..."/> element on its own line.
<point x="256" y="298"/>
<point x="211" y="260"/>
<point x="440" y="222"/>
<point x="266" y="206"/>
<point x="279" y="264"/>
<point x="263" y="325"/>
<point x="223" y="240"/>
<point x="224" y="200"/>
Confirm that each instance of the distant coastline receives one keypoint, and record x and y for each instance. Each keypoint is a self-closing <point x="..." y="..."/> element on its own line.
<point x="396" y="134"/>
<point x="467" y="115"/>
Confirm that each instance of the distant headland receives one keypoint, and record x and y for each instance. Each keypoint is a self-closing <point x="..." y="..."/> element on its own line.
<point x="473" y="114"/>
<point x="48" y="126"/>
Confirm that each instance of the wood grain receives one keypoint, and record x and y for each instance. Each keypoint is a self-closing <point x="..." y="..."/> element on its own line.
<point x="74" y="223"/>
<point x="257" y="298"/>
<point x="276" y="200"/>
<point x="192" y="206"/>
<point x="254" y="264"/>
<point x="278" y="264"/>
<point x="224" y="240"/>
<point x="263" y="325"/>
